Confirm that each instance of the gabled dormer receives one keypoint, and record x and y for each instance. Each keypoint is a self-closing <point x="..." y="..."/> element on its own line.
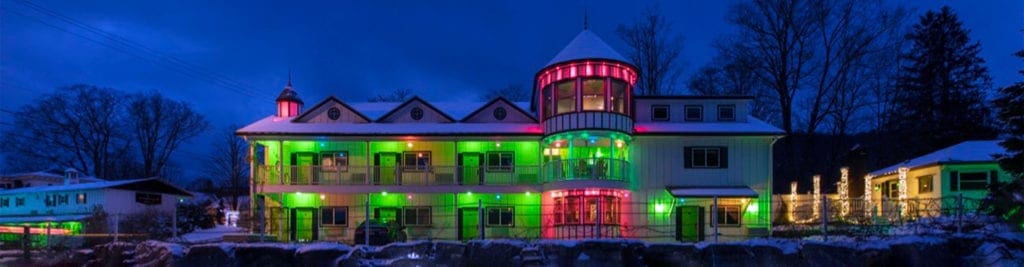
<point x="332" y="110"/>
<point x="499" y="110"/>
<point x="416" y="110"/>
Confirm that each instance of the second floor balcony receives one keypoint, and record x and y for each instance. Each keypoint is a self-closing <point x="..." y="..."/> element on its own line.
<point x="604" y="169"/>
<point x="396" y="175"/>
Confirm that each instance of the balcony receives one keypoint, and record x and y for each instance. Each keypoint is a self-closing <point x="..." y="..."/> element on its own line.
<point x="586" y="169"/>
<point x="589" y="120"/>
<point x="397" y="175"/>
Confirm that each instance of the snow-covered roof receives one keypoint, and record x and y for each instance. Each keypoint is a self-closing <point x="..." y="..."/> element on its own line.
<point x="97" y="185"/>
<point x="752" y="126"/>
<point x="276" y="125"/>
<point x="967" y="151"/>
<point x="712" y="191"/>
<point x="457" y="110"/>
<point x="44" y="218"/>
<point x="586" y="45"/>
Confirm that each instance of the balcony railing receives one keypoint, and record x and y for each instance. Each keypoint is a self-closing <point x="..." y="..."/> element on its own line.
<point x="586" y="169"/>
<point x="398" y="175"/>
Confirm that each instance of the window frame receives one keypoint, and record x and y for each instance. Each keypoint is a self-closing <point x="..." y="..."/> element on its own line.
<point x="334" y="167"/>
<point x="81" y="198"/>
<point x="984" y="182"/>
<point x="690" y="159"/>
<point x="558" y="97"/>
<point x="579" y="214"/>
<point x="931" y="184"/>
<point x="501" y="209"/>
<point x="499" y="167"/>
<point x="417" y="167"/>
<point x="668" y="112"/>
<point x="700" y="112"/>
<point x="723" y="218"/>
<point x="19" y="201"/>
<point x="727" y="106"/>
<point x="334" y="215"/>
<point x="417" y="209"/>
<point x="613" y="101"/>
<point x="602" y="94"/>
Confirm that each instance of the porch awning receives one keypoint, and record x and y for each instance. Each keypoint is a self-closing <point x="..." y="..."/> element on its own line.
<point x="712" y="191"/>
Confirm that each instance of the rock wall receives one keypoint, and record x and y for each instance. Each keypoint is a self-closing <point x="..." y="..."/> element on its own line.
<point x="963" y="250"/>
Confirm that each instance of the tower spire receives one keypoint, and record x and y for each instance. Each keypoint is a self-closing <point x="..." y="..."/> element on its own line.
<point x="585" y="15"/>
<point x="289" y="77"/>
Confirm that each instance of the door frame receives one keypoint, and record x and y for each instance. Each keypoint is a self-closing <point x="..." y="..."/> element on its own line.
<point x="458" y="219"/>
<point x="679" y="219"/>
<point x="376" y="165"/>
<point x="293" y="223"/>
<point x="294" y="170"/>
<point x="480" y="165"/>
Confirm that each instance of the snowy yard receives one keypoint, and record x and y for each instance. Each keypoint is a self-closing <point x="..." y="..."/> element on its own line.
<point x="215" y="234"/>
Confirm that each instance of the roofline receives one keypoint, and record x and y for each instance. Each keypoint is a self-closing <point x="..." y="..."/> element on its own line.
<point x="446" y="116"/>
<point x="123" y="182"/>
<point x="695" y="97"/>
<point x="776" y="134"/>
<point x="932" y="164"/>
<point x="499" y="98"/>
<point x="324" y="102"/>
<point x="533" y="94"/>
<point x="386" y="134"/>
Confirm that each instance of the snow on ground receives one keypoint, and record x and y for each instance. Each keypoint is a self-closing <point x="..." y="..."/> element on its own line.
<point x="215" y="234"/>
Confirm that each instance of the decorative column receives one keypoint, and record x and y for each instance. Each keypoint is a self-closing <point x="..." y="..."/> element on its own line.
<point x="844" y="192"/>
<point x="817" y="196"/>
<point x="792" y="201"/>
<point x="903" y="190"/>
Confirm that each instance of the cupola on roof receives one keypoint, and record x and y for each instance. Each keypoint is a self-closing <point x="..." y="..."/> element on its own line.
<point x="587" y="45"/>
<point x="288" y="94"/>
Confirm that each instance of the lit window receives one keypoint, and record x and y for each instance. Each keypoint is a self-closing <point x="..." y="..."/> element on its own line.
<point x="334" y="216"/>
<point x="584" y="210"/>
<point x="416" y="216"/>
<point x="729" y="215"/>
<point x="706" y="157"/>
<point x="416" y="160"/>
<point x="593" y="94"/>
<point x="81" y="198"/>
<point x="924" y="184"/>
<point x="500" y="216"/>
<point x="694" y="113"/>
<point x="502" y="161"/>
<point x="726" y="112"/>
<point x="618" y="97"/>
<point x="566" y="96"/>
<point x="334" y="161"/>
<point x="659" y="113"/>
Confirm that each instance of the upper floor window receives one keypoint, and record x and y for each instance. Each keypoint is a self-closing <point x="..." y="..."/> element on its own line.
<point x="566" y="94"/>
<point x="501" y="161"/>
<point x="694" y="113"/>
<point x="416" y="160"/>
<point x="659" y="113"/>
<point x="547" y="104"/>
<point x="726" y="112"/>
<point x="5" y="202"/>
<point x="19" y="201"/>
<point x="705" y="157"/>
<point x="334" y="161"/>
<point x="618" y="97"/>
<point x="81" y="198"/>
<point x="593" y="94"/>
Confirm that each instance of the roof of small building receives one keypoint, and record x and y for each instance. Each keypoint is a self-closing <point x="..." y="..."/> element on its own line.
<point x="752" y="126"/>
<point x="457" y="110"/>
<point x="965" y="152"/>
<point x="145" y="184"/>
<point x="586" y="45"/>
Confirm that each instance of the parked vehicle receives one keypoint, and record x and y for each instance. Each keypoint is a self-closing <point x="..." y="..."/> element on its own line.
<point x="381" y="232"/>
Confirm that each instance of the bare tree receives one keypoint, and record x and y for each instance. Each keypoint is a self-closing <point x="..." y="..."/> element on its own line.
<point x="227" y="165"/>
<point x="78" y="126"/>
<point x="160" y="126"/>
<point x="734" y="77"/>
<point x="512" y="92"/>
<point x="398" y="95"/>
<point x="654" y="50"/>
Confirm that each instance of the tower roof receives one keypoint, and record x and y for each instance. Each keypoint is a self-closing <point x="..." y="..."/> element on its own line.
<point x="587" y="45"/>
<point x="288" y="94"/>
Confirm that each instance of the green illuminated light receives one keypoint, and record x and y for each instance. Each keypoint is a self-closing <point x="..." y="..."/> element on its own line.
<point x="659" y="208"/>
<point x="384" y="193"/>
<point x="752" y="208"/>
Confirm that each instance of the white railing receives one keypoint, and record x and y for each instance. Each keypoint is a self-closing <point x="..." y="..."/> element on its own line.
<point x="397" y="175"/>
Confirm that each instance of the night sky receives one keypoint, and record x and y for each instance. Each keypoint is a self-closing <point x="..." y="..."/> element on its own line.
<point x="442" y="50"/>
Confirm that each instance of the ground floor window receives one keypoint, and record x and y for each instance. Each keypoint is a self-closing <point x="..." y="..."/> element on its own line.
<point x="334" y="216"/>
<point x="500" y="216"/>
<point x="416" y="216"/>
<point x="728" y="215"/>
<point x="971" y="180"/>
<point x="924" y="184"/>
<point x="569" y="210"/>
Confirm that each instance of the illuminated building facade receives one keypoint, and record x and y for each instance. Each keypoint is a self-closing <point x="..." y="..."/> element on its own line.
<point x="585" y="158"/>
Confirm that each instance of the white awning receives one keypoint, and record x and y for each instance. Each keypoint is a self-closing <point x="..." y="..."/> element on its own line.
<point x="712" y="191"/>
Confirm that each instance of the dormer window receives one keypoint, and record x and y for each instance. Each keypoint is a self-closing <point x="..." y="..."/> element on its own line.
<point x="694" y="113"/>
<point x="726" y="112"/>
<point x="659" y="113"/>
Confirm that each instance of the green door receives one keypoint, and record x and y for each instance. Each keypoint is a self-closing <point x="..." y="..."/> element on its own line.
<point x="469" y="223"/>
<point x="472" y="172"/>
<point x="302" y="167"/>
<point x="302" y="224"/>
<point x="386" y="165"/>
<point x="690" y="223"/>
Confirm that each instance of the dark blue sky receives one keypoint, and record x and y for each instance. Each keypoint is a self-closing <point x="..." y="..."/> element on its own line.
<point x="443" y="50"/>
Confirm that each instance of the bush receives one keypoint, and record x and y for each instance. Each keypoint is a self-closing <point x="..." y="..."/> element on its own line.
<point x="193" y="215"/>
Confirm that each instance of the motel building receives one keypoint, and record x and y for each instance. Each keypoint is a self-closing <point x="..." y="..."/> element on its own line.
<point x="585" y="158"/>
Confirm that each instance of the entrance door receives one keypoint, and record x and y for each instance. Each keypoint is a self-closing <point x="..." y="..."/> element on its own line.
<point x="302" y="167"/>
<point x="472" y="169"/>
<point x="386" y="164"/>
<point x="386" y="215"/>
<point x="469" y="223"/>
<point x="690" y="223"/>
<point x="304" y="224"/>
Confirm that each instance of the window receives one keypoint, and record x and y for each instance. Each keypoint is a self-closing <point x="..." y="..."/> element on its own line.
<point x="500" y="113"/>
<point x="334" y="161"/>
<point x="924" y="184"/>
<point x="593" y="94"/>
<point x="706" y="157"/>
<point x="19" y="201"/>
<point x="729" y="215"/>
<point x="148" y="199"/>
<point x="416" y="161"/>
<point x="548" y="106"/>
<point x="973" y="180"/>
<point x="416" y="216"/>
<point x="659" y="113"/>
<point x="334" y="113"/>
<point x="500" y="216"/>
<point x="334" y="216"/>
<point x="502" y="161"/>
<point x="416" y="113"/>
<point x="81" y="199"/>
<point x="584" y="210"/>
<point x="726" y="112"/>
<point x="5" y="202"/>
<point x="694" y="113"/>
<point x="566" y="97"/>
<point x="61" y="199"/>
<point x="618" y="97"/>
